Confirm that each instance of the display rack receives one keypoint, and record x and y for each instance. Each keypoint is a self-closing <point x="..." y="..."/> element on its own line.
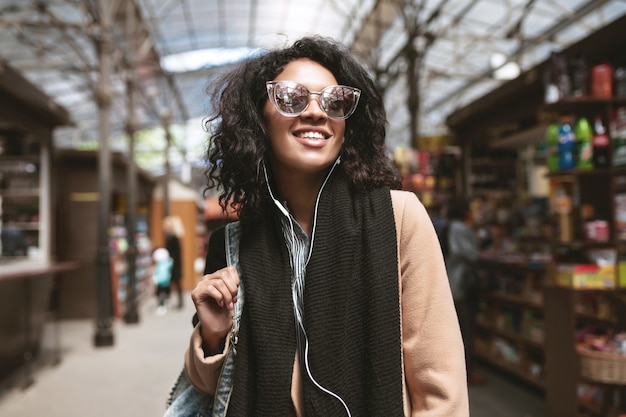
<point x="510" y="320"/>
<point x="20" y="161"/>
<point x="580" y="197"/>
<point x="119" y="265"/>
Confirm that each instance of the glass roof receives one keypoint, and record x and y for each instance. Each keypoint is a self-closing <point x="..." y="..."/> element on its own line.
<point x="53" y="44"/>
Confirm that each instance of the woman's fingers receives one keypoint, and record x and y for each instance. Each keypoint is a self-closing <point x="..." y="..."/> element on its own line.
<point x="221" y="293"/>
<point x="214" y="297"/>
<point x="221" y="287"/>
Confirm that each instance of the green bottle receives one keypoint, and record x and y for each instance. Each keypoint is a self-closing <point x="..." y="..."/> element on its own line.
<point x="552" y="141"/>
<point x="585" y="147"/>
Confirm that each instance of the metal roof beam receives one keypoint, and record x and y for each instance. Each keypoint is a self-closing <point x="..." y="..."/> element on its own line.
<point x="180" y="103"/>
<point x="562" y="24"/>
<point x="374" y="26"/>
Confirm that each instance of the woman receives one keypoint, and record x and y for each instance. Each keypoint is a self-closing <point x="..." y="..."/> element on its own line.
<point x="461" y="251"/>
<point x="174" y="232"/>
<point x="348" y="310"/>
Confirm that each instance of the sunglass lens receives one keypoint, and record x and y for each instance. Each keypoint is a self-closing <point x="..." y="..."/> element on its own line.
<point x="338" y="101"/>
<point x="291" y="98"/>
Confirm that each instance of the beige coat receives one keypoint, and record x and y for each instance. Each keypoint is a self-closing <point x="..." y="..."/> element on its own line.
<point x="433" y="357"/>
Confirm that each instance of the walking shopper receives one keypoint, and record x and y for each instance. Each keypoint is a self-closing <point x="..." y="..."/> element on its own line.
<point x="461" y="250"/>
<point x="174" y="232"/>
<point x="161" y="275"/>
<point x="348" y="309"/>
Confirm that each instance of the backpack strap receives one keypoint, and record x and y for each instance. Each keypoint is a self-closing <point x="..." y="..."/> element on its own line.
<point x="225" y="382"/>
<point x="233" y="233"/>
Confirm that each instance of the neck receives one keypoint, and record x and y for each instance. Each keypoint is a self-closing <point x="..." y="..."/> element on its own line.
<point x="300" y="193"/>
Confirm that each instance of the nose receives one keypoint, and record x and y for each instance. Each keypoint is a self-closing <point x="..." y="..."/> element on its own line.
<point x="314" y="109"/>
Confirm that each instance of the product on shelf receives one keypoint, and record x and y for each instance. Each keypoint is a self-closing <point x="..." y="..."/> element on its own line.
<point x="562" y="205"/>
<point x="580" y="76"/>
<point x="602" y="80"/>
<point x="563" y="81"/>
<point x="552" y="142"/>
<point x="566" y="144"/>
<point x="506" y="351"/>
<point x="596" y="306"/>
<point x="585" y="276"/>
<point x="602" y="356"/>
<point x="533" y="326"/>
<point x="620" y="82"/>
<point x="620" y="216"/>
<point x="618" y="136"/>
<point x="601" y="144"/>
<point x="584" y="137"/>
<point x="590" y="394"/>
<point x="551" y="94"/>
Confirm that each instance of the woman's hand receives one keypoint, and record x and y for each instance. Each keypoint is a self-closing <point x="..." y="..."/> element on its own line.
<point x="214" y="297"/>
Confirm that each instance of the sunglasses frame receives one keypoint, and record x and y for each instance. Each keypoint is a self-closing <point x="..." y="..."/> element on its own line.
<point x="271" y="85"/>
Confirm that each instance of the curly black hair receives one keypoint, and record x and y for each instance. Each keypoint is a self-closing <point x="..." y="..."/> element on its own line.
<point x="238" y="143"/>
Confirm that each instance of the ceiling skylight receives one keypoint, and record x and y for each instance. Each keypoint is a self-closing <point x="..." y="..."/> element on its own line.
<point x="205" y="58"/>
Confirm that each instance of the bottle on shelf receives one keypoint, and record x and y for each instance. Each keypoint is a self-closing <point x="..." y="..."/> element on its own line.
<point x="620" y="82"/>
<point x="552" y="142"/>
<point x="585" y="147"/>
<point x="602" y="80"/>
<point x="563" y="81"/>
<point x="587" y="215"/>
<point x="618" y="136"/>
<point x="600" y="144"/>
<point x="580" y="76"/>
<point x="551" y="91"/>
<point x="562" y="206"/>
<point x="566" y="144"/>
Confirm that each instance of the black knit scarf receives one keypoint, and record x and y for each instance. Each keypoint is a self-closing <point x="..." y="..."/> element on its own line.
<point x="351" y="310"/>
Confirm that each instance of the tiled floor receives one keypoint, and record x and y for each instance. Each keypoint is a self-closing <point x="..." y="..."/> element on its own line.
<point x="133" y="377"/>
<point x="504" y="396"/>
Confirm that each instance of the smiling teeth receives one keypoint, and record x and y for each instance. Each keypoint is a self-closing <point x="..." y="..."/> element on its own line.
<point x="311" y="135"/>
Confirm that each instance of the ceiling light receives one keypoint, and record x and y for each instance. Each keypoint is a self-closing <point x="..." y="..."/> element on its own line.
<point x="503" y="70"/>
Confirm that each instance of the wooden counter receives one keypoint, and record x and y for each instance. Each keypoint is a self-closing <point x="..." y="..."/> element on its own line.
<point x="27" y="296"/>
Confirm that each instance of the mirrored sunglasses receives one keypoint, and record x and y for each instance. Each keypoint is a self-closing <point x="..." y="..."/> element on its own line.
<point x="291" y="99"/>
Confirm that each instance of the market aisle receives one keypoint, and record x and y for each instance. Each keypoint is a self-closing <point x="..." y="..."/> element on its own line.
<point x="133" y="378"/>
<point x="504" y="396"/>
<point x="130" y="379"/>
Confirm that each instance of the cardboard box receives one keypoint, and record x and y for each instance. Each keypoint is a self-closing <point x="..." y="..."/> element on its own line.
<point x="586" y="276"/>
<point x="621" y="273"/>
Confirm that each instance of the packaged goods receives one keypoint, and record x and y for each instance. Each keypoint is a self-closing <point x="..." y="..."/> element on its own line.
<point x="585" y="148"/>
<point x="618" y="137"/>
<point x="620" y="216"/>
<point x="620" y="82"/>
<point x="602" y="80"/>
<point x="566" y="145"/>
<point x="552" y="142"/>
<point x="601" y="144"/>
<point x="586" y="276"/>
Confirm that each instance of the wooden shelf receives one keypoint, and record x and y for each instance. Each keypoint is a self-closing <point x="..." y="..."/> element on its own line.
<point x="22" y="193"/>
<point x="573" y="173"/>
<point x="513" y="369"/>
<point x="575" y="104"/>
<point x="511" y="316"/>
<point x="517" y="300"/>
<point x="20" y="158"/>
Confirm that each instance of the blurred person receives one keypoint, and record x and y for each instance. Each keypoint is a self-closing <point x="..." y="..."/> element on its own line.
<point x="174" y="232"/>
<point x="161" y="275"/>
<point x="500" y="238"/>
<point x="348" y="309"/>
<point x="461" y="251"/>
